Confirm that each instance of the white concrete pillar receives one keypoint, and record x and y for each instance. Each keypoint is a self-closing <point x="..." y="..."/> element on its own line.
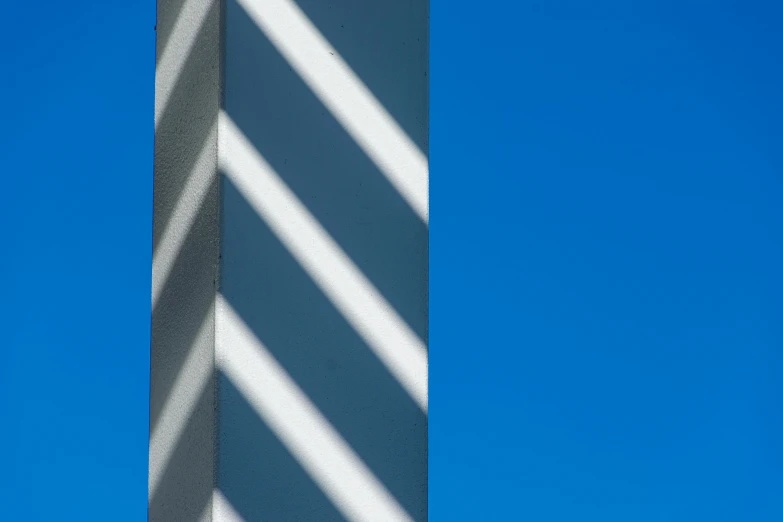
<point x="289" y="301"/>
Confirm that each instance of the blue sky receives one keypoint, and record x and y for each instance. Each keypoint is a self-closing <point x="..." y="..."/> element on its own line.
<point x="77" y="137"/>
<point x="605" y="261"/>
<point x="605" y="308"/>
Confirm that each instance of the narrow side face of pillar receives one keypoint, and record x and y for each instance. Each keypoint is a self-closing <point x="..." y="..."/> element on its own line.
<point x="185" y="240"/>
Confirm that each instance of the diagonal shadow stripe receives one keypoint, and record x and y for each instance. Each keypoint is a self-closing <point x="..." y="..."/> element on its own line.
<point x="265" y="482"/>
<point x="192" y="22"/>
<point x="299" y="425"/>
<point x="175" y="231"/>
<point x="185" y="300"/>
<point x="362" y="306"/>
<point x="322" y="353"/>
<point x="328" y="172"/>
<point x="385" y="43"/>
<point x="185" y="121"/>
<point x="181" y="404"/>
<point x="185" y="487"/>
<point x="166" y="16"/>
<point x="345" y="96"/>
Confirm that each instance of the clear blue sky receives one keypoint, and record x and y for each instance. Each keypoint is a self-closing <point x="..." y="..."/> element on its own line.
<point x="606" y="282"/>
<point x="606" y="261"/>
<point x="76" y="215"/>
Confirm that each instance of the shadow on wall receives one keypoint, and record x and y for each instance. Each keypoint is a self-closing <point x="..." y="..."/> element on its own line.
<point x="258" y="475"/>
<point x="185" y="490"/>
<point x="364" y="213"/>
<point x="181" y="481"/>
<point x="264" y="283"/>
<point x="326" y="169"/>
<point x="385" y="44"/>
<point x="322" y="353"/>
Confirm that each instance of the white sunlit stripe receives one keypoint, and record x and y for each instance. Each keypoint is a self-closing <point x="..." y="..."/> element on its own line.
<point x="178" y="46"/>
<point x="346" y="96"/>
<point x="299" y="425"/>
<point x="363" y="306"/>
<point x="222" y="510"/>
<point x="184" y="214"/>
<point x="208" y="515"/>
<point x="180" y="402"/>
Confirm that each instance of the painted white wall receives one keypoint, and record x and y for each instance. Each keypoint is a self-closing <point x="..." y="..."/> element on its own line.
<point x="289" y="357"/>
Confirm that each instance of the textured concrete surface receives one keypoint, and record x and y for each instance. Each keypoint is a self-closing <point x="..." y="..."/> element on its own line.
<point x="338" y="348"/>
<point x="185" y="239"/>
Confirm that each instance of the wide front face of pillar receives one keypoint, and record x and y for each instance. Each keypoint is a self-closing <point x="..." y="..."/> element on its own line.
<point x="290" y="370"/>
